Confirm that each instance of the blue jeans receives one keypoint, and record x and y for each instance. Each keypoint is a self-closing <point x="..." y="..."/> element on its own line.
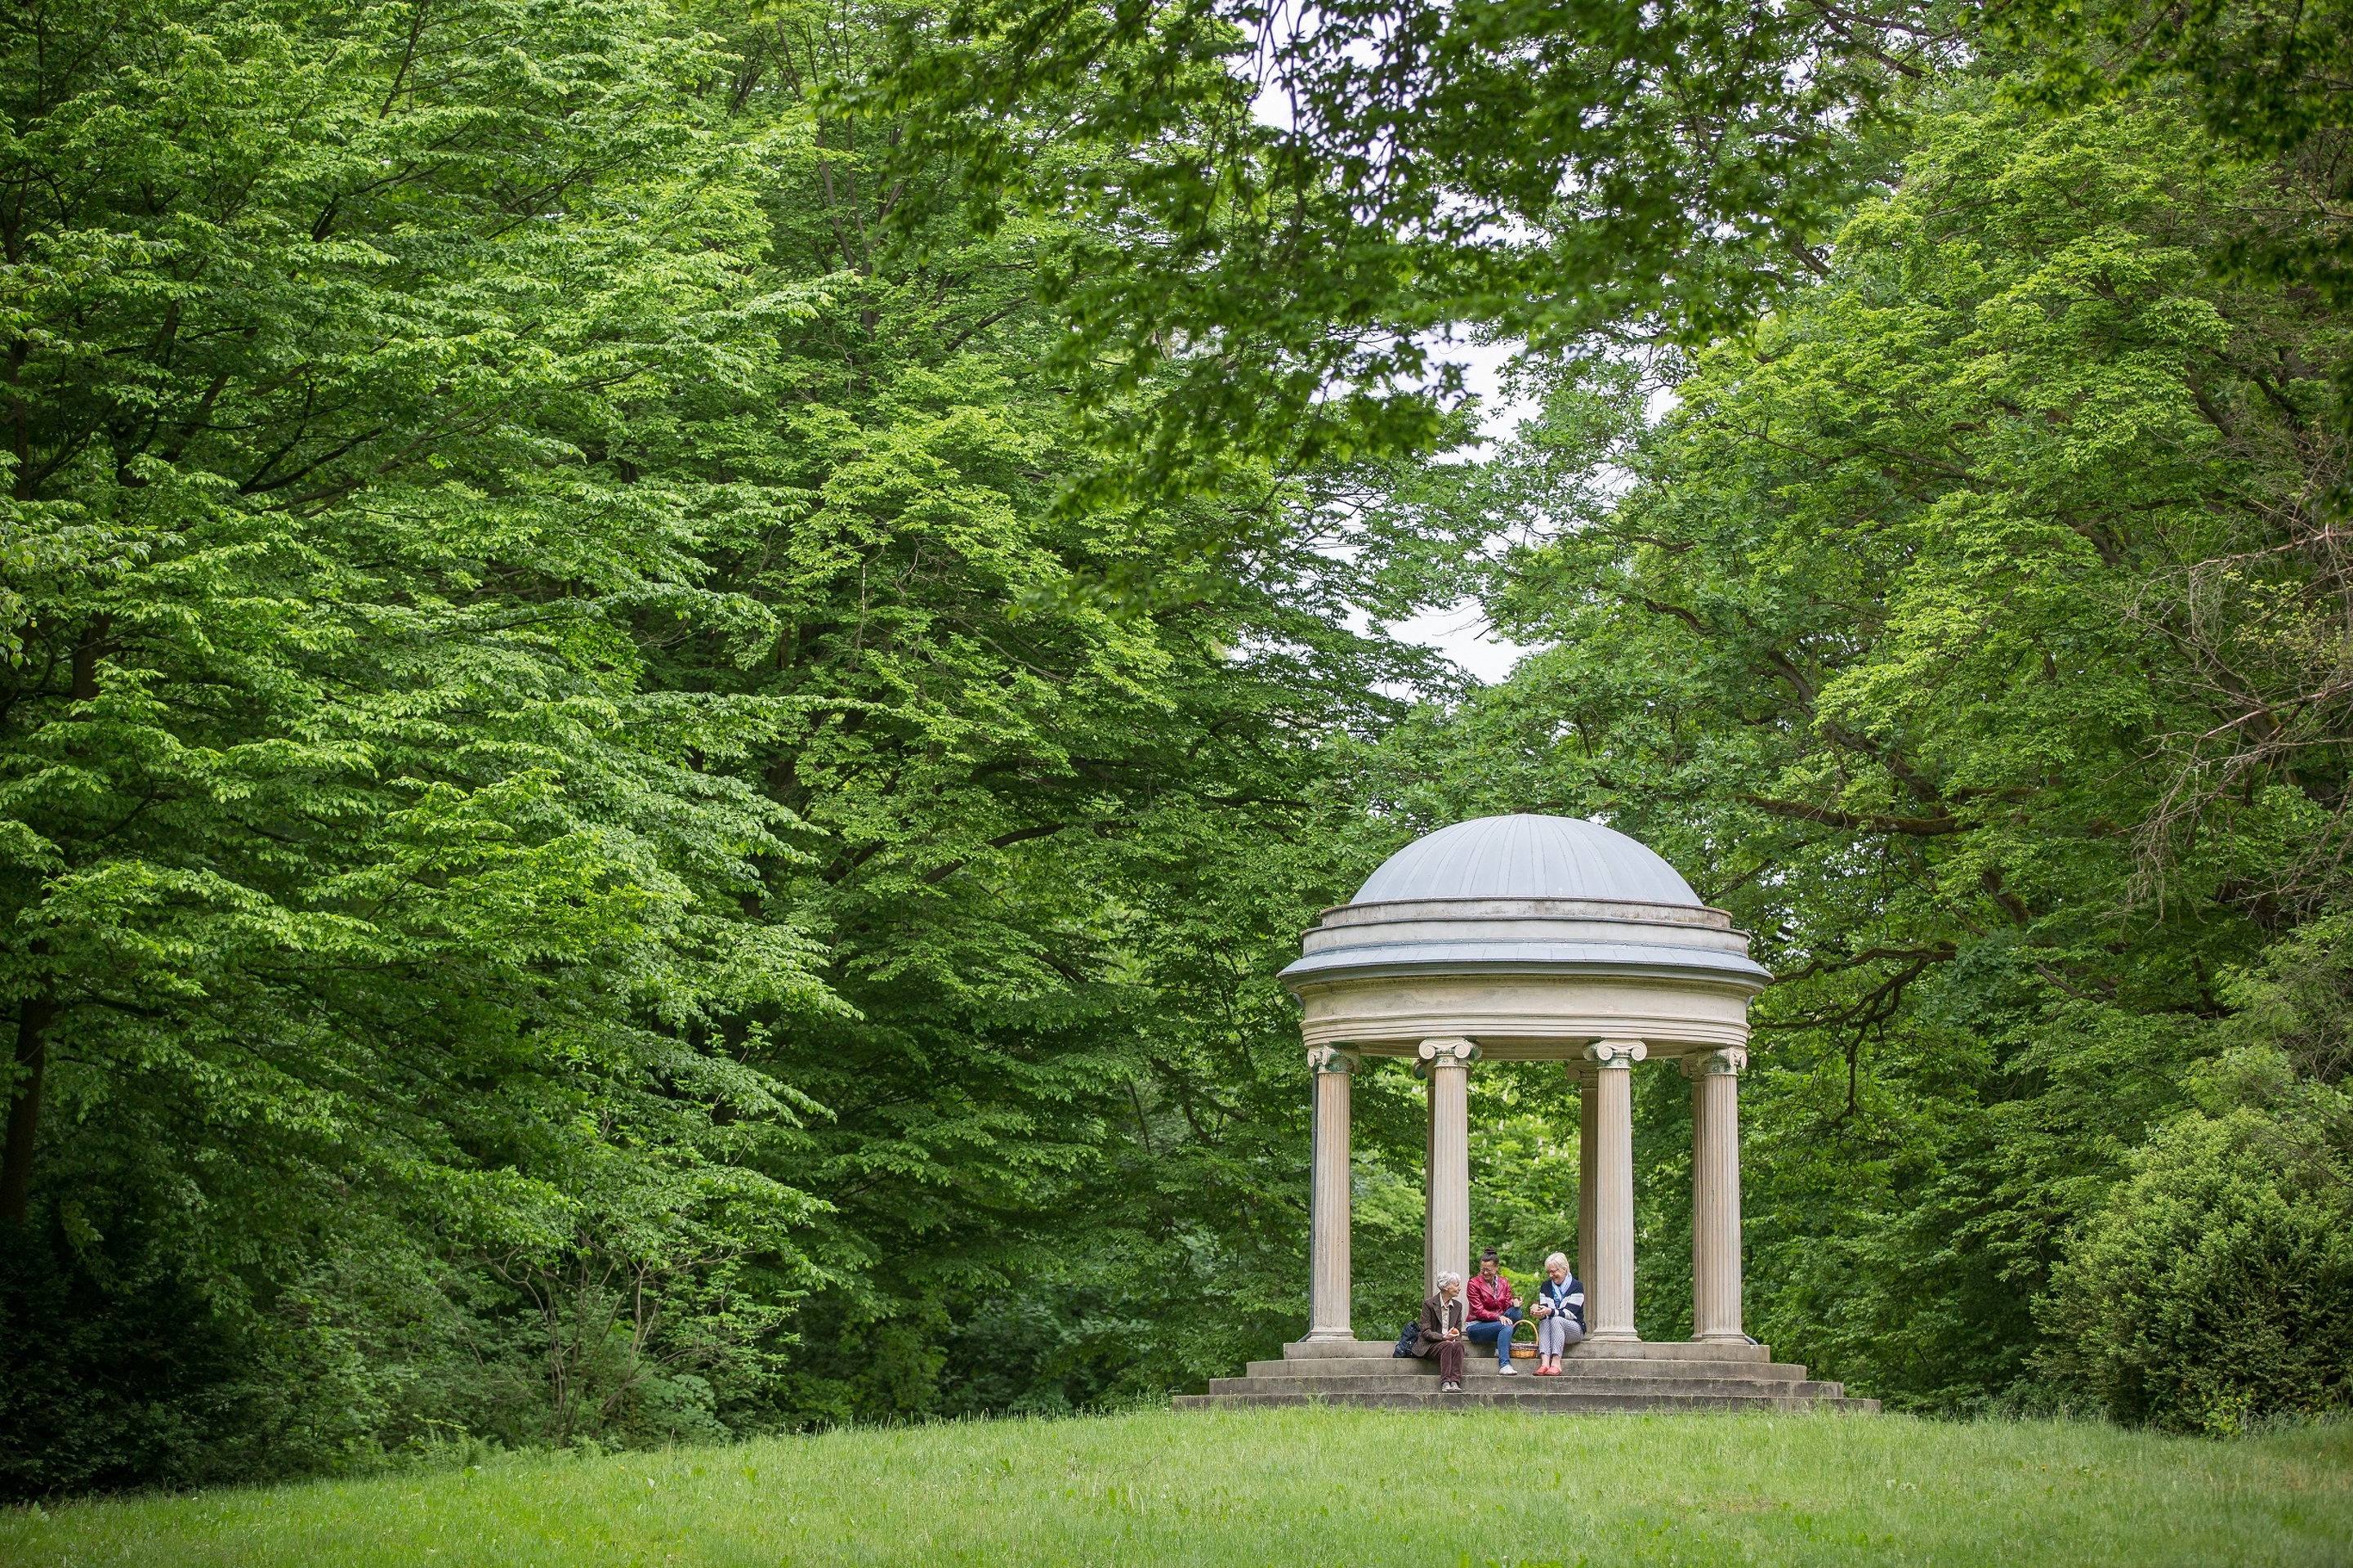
<point x="1496" y="1334"/>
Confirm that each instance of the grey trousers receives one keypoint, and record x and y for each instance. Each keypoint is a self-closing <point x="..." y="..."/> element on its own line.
<point x="1557" y="1334"/>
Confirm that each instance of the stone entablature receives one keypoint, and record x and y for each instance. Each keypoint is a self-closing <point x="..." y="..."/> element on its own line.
<point x="1522" y="1018"/>
<point x="1528" y="936"/>
<point x="1526" y="978"/>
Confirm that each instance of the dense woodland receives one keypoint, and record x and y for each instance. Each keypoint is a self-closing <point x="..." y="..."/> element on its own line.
<point x="674" y="674"/>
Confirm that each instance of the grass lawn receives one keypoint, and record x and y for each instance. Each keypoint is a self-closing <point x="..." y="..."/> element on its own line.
<point x="1294" y="1486"/>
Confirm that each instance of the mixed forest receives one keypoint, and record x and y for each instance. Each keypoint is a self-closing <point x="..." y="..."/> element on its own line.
<point x="673" y="673"/>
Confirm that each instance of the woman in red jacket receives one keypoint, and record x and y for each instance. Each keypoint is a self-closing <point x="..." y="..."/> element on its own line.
<point x="1495" y="1310"/>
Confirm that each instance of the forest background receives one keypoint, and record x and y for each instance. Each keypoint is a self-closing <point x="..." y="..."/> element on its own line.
<point x="675" y="673"/>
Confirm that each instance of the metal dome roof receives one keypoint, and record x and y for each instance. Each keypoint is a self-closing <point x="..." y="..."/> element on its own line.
<point x="1527" y="856"/>
<point x="1527" y="895"/>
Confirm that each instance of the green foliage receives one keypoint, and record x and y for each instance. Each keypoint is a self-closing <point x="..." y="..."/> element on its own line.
<point x="2265" y="81"/>
<point x="2298" y="1000"/>
<point x="593" y="857"/>
<point x="1971" y="629"/>
<point x="1053" y="776"/>
<point x="359" y="895"/>
<point x="1277" y="220"/>
<point x="1524" y="1169"/>
<point x="671" y="679"/>
<point x="2210" y="1291"/>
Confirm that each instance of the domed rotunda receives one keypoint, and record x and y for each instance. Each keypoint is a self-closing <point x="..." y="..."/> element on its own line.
<point x="1524" y="933"/>
<point x="1533" y="938"/>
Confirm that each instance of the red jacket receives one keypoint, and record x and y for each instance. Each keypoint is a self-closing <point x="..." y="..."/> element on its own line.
<point x="1489" y="1297"/>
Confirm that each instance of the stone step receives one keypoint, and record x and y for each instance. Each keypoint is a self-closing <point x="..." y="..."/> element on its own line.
<point x="1483" y="1365"/>
<point x="1597" y="1377"/>
<point x="1482" y="1369"/>
<point x="1545" y="1388"/>
<point x="1566" y="1403"/>
<point x="1592" y="1349"/>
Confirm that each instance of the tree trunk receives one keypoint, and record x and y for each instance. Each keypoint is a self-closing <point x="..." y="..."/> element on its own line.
<point x="25" y="1107"/>
<point x="38" y="1011"/>
<point x="85" y="657"/>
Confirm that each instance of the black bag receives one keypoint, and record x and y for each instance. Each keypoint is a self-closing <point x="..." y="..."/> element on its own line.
<point x="1405" y="1340"/>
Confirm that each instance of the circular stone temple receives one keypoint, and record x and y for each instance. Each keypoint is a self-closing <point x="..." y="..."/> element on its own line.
<point x="1534" y="939"/>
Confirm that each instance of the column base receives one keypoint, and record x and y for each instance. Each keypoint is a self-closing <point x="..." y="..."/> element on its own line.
<point x="1323" y="1335"/>
<point x="1735" y="1338"/>
<point x="1613" y="1336"/>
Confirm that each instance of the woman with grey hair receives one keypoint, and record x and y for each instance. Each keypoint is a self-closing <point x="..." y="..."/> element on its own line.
<point x="1439" y="1332"/>
<point x="1560" y="1315"/>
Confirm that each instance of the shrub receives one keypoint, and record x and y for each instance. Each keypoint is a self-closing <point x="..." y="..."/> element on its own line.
<point x="2215" y="1287"/>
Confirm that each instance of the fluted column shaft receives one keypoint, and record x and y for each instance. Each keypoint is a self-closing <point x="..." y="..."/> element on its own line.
<point x="1429" y="1184"/>
<point x="1588" y="1118"/>
<point x="1328" y="1267"/>
<point x="1609" y="1294"/>
<point x="1715" y="1195"/>
<point x="1449" y="1223"/>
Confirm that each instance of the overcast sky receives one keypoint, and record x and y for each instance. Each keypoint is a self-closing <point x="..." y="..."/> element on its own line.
<point x="1460" y="630"/>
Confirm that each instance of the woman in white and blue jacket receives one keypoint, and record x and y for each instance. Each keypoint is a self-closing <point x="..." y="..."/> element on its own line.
<point x="1560" y="1315"/>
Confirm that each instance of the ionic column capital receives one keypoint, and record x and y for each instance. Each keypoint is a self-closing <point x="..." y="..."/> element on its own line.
<point x="1448" y="1052"/>
<point x="1330" y="1059"/>
<point x="1616" y="1053"/>
<point x="1729" y="1061"/>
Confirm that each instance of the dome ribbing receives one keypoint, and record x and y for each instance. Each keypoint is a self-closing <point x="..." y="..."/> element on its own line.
<point x="1527" y="856"/>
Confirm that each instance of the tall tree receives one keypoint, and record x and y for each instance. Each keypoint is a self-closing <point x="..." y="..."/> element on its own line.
<point x="1972" y="629"/>
<point x="354" y="878"/>
<point x="1054" y="772"/>
<point x="1304" y="205"/>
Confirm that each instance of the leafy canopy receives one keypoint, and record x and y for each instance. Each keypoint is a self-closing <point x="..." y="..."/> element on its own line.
<point x="1277" y="216"/>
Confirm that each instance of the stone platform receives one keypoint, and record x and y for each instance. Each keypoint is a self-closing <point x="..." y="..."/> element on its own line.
<point x="1595" y="1378"/>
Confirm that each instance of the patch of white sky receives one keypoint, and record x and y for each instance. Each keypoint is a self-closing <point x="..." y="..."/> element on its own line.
<point x="1461" y="631"/>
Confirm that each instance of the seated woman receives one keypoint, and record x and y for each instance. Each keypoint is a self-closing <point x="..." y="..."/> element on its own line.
<point x="1439" y="1332"/>
<point x="1560" y="1315"/>
<point x="1495" y="1310"/>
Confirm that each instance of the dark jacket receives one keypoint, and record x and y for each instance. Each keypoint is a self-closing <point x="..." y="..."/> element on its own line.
<point x="1437" y="1317"/>
<point x="1566" y="1298"/>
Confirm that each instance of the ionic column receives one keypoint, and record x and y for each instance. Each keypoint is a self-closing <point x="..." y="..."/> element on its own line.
<point x="1328" y="1274"/>
<point x="1429" y="1183"/>
<point x="1588" y="1095"/>
<point x="1609" y="1293"/>
<point x="1448" y="1224"/>
<point x="1715" y="1195"/>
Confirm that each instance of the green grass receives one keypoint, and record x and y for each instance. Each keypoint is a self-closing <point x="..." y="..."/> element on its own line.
<point x="1294" y="1486"/>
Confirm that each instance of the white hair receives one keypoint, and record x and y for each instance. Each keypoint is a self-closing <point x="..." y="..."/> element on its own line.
<point x="1446" y="1279"/>
<point x="1559" y="1257"/>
